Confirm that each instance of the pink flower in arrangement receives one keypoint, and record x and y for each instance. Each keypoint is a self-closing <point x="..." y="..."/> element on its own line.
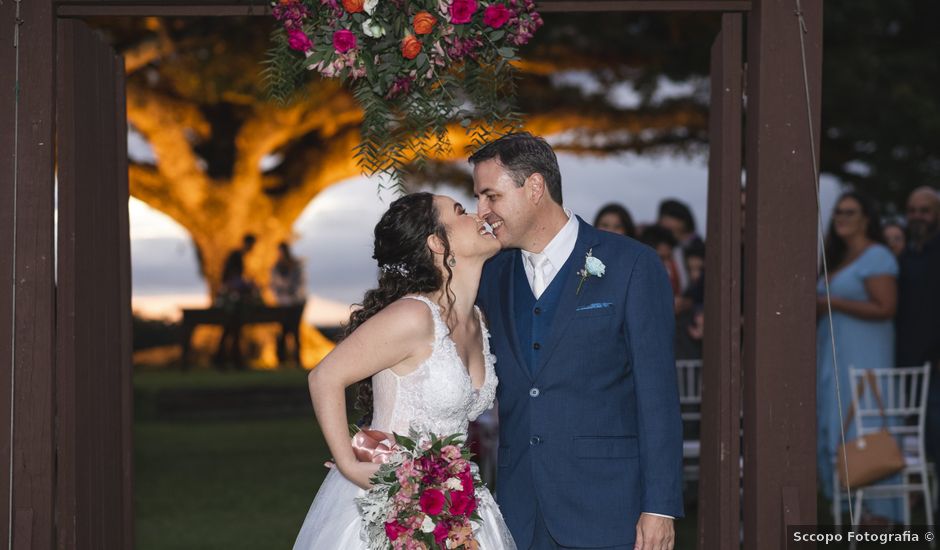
<point x="440" y="532"/>
<point x="458" y="48"/>
<point x="462" y="10"/>
<point x="459" y="466"/>
<point x="290" y="12"/>
<point x="298" y="40"/>
<point x="393" y="529"/>
<point x="462" y="502"/>
<point x="466" y="479"/>
<point x="496" y="15"/>
<point x="344" y="40"/>
<point x="432" y="502"/>
<point x="450" y="453"/>
<point x="401" y="86"/>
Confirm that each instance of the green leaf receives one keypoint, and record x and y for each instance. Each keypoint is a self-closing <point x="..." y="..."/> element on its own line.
<point x="422" y="61"/>
<point x="506" y="52"/>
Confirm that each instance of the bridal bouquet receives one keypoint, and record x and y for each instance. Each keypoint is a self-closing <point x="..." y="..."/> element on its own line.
<point x="423" y="497"/>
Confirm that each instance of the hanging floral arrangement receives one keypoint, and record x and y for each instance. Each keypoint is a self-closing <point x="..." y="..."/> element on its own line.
<point x="415" y="67"/>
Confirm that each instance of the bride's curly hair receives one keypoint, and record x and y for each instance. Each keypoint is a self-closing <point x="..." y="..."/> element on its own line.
<point x="406" y="266"/>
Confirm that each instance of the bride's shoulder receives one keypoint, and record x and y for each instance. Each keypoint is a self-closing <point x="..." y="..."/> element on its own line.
<point x="407" y="315"/>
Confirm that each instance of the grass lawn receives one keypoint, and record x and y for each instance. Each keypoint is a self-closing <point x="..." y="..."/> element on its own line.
<point x="235" y="484"/>
<point x="225" y="485"/>
<point x="203" y="378"/>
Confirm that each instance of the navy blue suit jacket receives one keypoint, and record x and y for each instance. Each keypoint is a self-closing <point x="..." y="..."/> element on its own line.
<point x="591" y="435"/>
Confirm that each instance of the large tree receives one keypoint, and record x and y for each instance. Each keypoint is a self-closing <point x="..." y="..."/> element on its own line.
<point x="881" y="96"/>
<point x="230" y="162"/>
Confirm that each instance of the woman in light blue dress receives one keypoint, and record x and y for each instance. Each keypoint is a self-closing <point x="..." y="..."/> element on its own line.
<point x="863" y="287"/>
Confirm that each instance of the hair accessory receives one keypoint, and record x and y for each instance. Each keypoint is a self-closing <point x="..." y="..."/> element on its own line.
<point x="397" y="267"/>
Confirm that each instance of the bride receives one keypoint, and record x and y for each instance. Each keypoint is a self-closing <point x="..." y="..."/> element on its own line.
<point x="425" y="347"/>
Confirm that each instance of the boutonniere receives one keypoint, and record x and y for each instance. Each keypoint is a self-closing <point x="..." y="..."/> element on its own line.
<point x="592" y="267"/>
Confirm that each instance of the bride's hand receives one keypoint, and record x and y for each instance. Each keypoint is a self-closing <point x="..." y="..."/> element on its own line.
<point x="360" y="473"/>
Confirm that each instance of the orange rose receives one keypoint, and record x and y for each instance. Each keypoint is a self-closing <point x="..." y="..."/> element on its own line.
<point x="354" y="6"/>
<point x="410" y="47"/>
<point x="424" y="22"/>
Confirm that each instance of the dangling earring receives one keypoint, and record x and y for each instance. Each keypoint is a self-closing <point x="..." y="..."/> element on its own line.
<point x="452" y="261"/>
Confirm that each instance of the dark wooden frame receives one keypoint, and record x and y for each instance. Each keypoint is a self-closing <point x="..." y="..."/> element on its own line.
<point x="768" y="371"/>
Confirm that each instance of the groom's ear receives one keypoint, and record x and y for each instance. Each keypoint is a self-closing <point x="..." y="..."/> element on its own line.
<point x="535" y="187"/>
<point x="436" y="245"/>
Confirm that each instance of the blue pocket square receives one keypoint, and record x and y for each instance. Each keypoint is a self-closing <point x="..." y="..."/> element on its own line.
<point x="597" y="305"/>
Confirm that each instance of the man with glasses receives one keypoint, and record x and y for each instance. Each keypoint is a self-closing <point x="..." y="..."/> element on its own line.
<point x="918" y="316"/>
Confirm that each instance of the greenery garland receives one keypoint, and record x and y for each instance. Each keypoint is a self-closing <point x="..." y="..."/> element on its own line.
<point x="415" y="67"/>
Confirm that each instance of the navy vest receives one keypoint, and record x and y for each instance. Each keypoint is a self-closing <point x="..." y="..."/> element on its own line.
<point x="534" y="317"/>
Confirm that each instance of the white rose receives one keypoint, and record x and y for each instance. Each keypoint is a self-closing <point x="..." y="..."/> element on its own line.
<point x="372" y="29"/>
<point x="453" y="484"/>
<point x="594" y="266"/>
<point x="427" y="526"/>
<point x="370" y="6"/>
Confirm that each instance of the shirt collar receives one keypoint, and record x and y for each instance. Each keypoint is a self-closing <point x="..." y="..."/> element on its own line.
<point x="562" y="245"/>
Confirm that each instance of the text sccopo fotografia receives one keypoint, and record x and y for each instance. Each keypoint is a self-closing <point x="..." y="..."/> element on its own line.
<point x="856" y="536"/>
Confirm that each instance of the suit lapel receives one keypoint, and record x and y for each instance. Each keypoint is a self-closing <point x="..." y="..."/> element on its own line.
<point x="509" y="312"/>
<point x="568" y="302"/>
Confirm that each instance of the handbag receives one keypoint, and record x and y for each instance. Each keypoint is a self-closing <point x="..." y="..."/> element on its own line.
<point x="873" y="456"/>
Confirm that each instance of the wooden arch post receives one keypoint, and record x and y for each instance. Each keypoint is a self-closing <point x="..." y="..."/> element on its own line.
<point x="763" y="366"/>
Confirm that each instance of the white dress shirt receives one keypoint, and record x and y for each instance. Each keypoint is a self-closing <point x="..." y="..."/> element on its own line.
<point x="556" y="253"/>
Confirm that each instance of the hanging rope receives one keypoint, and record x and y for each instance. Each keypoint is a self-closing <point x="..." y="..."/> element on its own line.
<point x="17" y="22"/>
<point x="822" y="247"/>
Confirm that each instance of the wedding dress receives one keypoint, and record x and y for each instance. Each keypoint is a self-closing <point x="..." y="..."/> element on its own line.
<point x="438" y="397"/>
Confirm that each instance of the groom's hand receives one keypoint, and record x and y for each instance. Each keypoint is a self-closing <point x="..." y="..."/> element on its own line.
<point x="655" y="533"/>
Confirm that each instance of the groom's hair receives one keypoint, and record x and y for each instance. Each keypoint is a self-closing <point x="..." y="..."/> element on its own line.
<point x="522" y="155"/>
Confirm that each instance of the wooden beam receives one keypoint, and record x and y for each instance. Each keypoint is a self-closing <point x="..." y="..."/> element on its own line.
<point x="644" y="6"/>
<point x="720" y="479"/>
<point x="27" y="429"/>
<point x="93" y="321"/>
<point x="140" y="8"/>
<point x="780" y="271"/>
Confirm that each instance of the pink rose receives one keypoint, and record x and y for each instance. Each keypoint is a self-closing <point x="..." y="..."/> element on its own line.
<point x="299" y="41"/>
<point x="432" y="502"/>
<point x="462" y="10"/>
<point x="462" y="503"/>
<point x="343" y="41"/>
<point x="441" y="532"/>
<point x="496" y="15"/>
<point x="393" y="529"/>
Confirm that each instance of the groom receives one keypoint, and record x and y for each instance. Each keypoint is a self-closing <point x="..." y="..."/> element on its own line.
<point x="590" y="443"/>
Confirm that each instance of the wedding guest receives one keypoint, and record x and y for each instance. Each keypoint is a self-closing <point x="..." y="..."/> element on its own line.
<point x="677" y="217"/>
<point x="236" y="291"/>
<point x="695" y="267"/>
<point x="614" y="217"/>
<point x="918" y="319"/>
<point x="690" y="317"/>
<point x="895" y="237"/>
<point x="233" y="271"/>
<point x="863" y="289"/>
<point x="290" y="291"/>
<point x="663" y="242"/>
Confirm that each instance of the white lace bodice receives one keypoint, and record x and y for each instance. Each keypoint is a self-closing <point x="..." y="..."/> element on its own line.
<point x="439" y="395"/>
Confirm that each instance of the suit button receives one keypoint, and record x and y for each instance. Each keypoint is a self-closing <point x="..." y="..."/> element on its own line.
<point x="534" y="392"/>
<point x="535" y="440"/>
<point x="538" y="311"/>
<point x="536" y="346"/>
